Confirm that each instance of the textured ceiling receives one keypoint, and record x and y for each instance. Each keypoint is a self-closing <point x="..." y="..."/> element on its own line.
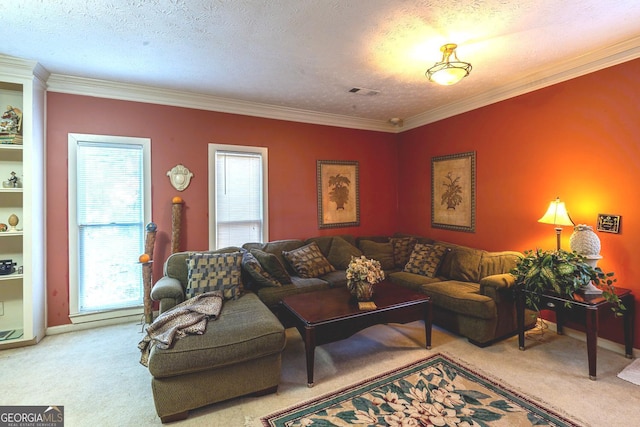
<point x="307" y="54"/>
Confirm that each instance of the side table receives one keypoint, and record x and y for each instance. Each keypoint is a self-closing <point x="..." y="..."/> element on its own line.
<point x="588" y="308"/>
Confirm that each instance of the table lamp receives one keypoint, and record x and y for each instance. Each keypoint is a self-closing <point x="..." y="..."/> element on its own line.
<point x="558" y="216"/>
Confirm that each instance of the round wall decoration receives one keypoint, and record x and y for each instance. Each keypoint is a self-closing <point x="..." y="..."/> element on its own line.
<point x="180" y="177"/>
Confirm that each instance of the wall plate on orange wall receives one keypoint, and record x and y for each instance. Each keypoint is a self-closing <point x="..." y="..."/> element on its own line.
<point x="609" y="223"/>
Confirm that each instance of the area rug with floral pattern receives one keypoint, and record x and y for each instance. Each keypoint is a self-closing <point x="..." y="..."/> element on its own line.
<point x="436" y="391"/>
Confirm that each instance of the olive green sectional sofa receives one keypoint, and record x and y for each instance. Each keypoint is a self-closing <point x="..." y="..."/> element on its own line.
<point x="471" y="291"/>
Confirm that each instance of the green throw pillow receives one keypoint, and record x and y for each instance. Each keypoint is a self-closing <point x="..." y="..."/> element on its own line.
<point x="425" y="259"/>
<point x="381" y="252"/>
<point x="272" y="265"/>
<point x="214" y="272"/>
<point x="258" y="274"/>
<point x="340" y="253"/>
<point x="308" y="261"/>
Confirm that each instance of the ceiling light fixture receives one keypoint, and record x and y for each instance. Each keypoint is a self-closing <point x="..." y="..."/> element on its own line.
<point x="447" y="72"/>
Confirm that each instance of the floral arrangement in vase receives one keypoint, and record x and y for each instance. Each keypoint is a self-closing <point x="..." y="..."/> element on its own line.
<point x="362" y="274"/>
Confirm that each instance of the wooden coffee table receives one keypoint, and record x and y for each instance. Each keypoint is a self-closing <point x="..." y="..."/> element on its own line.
<point x="331" y="315"/>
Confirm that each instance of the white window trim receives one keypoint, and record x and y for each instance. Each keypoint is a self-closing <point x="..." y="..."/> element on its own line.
<point x="73" y="140"/>
<point x="212" y="186"/>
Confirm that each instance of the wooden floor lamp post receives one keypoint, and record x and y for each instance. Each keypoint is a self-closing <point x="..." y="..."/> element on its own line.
<point x="146" y="260"/>
<point x="176" y="222"/>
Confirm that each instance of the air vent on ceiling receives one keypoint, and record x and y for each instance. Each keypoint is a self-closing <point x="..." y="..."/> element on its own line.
<point x="364" y="91"/>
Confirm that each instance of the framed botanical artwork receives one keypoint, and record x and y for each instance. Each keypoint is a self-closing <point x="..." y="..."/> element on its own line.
<point x="338" y="193"/>
<point x="609" y="223"/>
<point x="453" y="192"/>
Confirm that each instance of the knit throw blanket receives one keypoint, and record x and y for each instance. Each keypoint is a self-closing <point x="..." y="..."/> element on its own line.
<point x="187" y="318"/>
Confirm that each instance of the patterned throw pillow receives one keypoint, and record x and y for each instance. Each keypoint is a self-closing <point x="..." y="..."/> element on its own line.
<point x="308" y="261"/>
<point x="258" y="274"/>
<point x="272" y="265"/>
<point x="402" y="248"/>
<point x="215" y="271"/>
<point x="425" y="259"/>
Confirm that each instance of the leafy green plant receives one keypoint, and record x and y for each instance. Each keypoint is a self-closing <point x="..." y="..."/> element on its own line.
<point x="562" y="273"/>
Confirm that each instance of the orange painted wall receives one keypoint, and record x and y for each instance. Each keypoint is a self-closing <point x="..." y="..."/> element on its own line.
<point x="181" y="135"/>
<point x="579" y="140"/>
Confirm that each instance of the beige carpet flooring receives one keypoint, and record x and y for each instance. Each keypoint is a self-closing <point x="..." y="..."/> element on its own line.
<point x="96" y="376"/>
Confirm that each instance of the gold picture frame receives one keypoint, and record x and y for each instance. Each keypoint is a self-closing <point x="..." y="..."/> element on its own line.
<point x="453" y="192"/>
<point x="609" y="223"/>
<point x="338" y="193"/>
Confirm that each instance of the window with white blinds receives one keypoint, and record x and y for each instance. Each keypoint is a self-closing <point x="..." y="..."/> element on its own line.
<point x="107" y="220"/>
<point x="238" y="195"/>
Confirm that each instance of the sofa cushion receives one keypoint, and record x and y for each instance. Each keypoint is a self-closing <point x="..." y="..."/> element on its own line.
<point x="176" y="264"/>
<point x="308" y="261"/>
<point x="402" y="248"/>
<point x="411" y="280"/>
<point x="340" y="253"/>
<point x="425" y="259"/>
<point x="381" y="252"/>
<point x="271" y="297"/>
<point x="245" y="330"/>
<point x="214" y="271"/>
<point x="323" y="242"/>
<point x="461" y="297"/>
<point x="336" y="279"/>
<point x="258" y="275"/>
<point x="465" y="264"/>
<point x="272" y="265"/>
<point x="498" y="262"/>
<point x="276" y="247"/>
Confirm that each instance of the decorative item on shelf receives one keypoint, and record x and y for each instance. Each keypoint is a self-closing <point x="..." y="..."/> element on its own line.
<point x="10" y="139"/>
<point x="447" y="72"/>
<point x="586" y="242"/>
<point x="176" y="223"/>
<point x="3" y="227"/>
<point x="11" y="121"/>
<point x="12" y="182"/>
<point x="13" y="221"/>
<point x="147" y="261"/>
<point x="180" y="177"/>
<point x="561" y="273"/>
<point x="362" y="275"/>
<point x="558" y="216"/>
<point x="7" y="266"/>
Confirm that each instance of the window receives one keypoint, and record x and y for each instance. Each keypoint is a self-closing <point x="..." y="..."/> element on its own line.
<point x="237" y="195"/>
<point x="109" y="204"/>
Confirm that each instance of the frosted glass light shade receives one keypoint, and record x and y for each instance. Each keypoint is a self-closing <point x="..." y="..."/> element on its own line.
<point x="447" y="72"/>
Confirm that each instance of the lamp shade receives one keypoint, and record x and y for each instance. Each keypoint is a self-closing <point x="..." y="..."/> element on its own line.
<point x="448" y="72"/>
<point x="556" y="214"/>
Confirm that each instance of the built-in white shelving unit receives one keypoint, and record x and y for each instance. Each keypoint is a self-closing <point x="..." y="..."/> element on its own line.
<point x="22" y="293"/>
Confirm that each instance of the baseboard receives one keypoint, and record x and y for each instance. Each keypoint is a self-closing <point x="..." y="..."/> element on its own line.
<point x="602" y="342"/>
<point x="73" y="327"/>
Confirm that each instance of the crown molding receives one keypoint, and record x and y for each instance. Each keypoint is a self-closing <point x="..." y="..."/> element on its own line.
<point x="140" y="93"/>
<point x="595" y="61"/>
<point x="23" y="68"/>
